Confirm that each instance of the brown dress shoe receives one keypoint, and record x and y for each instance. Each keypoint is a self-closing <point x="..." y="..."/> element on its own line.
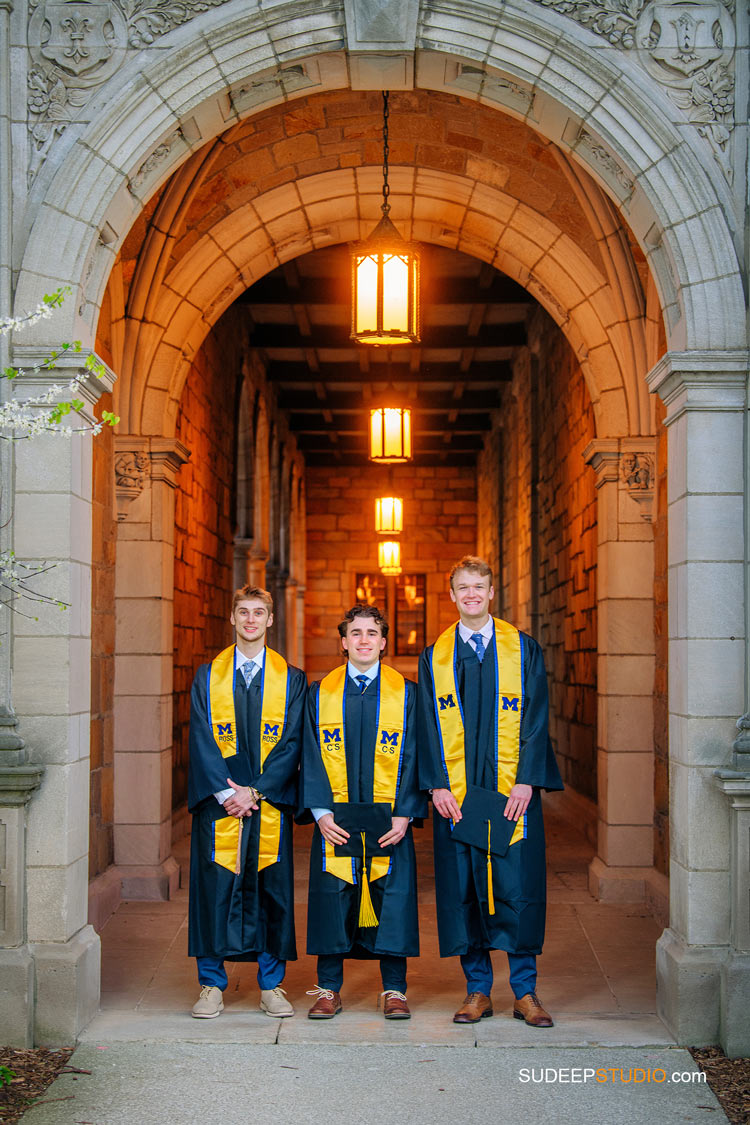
<point x="326" y="1006"/>
<point x="529" y="1009"/>
<point x="475" y="1007"/>
<point x="395" y="1006"/>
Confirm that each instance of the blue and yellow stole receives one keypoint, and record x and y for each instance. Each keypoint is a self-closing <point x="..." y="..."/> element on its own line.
<point x="223" y="722"/>
<point x="389" y="748"/>
<point x="509" y="701"/>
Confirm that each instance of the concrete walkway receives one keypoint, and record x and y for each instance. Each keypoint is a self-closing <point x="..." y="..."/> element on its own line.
<point x="151" y="1062"/>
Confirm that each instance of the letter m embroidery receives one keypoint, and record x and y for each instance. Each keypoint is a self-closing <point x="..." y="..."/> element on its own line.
<point x="225" y="730"/>
<point x="271" y="728"/>
<point x="391" y="738"/>
<point x="446" y="701"/>
<point x="510" y="704"/>
<point x="332" y="735"/>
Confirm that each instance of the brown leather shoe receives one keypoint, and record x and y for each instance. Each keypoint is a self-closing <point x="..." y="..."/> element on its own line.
<point x="394" y="1005"/>
<point x="475" y="1007"/>
<point x="326" y="1006"/>
<point x="529" y="1009"/>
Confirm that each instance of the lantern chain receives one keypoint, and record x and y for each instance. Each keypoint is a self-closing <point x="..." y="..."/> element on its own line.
<point x="386" y="151"/>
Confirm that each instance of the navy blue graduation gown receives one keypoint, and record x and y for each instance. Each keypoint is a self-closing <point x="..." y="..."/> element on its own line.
<point x="333" y="904"/>
<point x="235" y="917"/>
<point x="519" y="877"/>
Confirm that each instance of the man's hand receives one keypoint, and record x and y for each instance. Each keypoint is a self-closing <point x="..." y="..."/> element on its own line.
<point x="331" y="831"/>
<point x="518" y="801"/>
<point x="446" y="804"/>
<point x="399" y="824"/>
<point x="243" y="801"/>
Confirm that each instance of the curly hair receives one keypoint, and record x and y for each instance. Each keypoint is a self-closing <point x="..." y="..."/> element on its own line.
<point x="360" y="610"/>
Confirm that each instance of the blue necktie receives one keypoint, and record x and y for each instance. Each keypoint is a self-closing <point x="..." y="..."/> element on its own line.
<point x="363" y="682"/>
<point x="478" y="640"/>
<point x="248" y="669"/>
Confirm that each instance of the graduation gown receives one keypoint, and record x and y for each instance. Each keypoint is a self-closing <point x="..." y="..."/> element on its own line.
<point x="519" y="877"/>
<point x="235" y="917"/>
<point x="333" y="904"/>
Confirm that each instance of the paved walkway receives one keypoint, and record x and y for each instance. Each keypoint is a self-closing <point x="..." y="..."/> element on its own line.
<point x="151" y="1062"/>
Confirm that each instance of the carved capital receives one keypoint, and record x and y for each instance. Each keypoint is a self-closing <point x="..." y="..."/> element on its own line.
<point x="709" y="382"/>
<point x="629" y="463"/>
<point x="141" y="460"/>
<point x="17" y="783"/>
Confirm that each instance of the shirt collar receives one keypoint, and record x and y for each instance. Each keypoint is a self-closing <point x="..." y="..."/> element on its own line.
<point x="487" y="630"/>
<point x="371" y="672"/>
<point x="240" y="658"/>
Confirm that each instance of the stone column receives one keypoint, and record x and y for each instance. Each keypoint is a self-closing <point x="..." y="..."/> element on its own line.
<point x="18" y="780"/>
<point x="52" y="697"/>
<point x="704" y="393"/>
<point x="735" y="972"/>
<point x="624" y="470"/>
<point x="145" y="479"/>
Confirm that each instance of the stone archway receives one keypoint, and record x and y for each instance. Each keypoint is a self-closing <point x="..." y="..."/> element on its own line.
<point x="596" y="112"/>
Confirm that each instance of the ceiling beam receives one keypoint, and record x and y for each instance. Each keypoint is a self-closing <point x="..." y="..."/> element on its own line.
<point x="330" y="337"/>
<point x="498" y="371"/>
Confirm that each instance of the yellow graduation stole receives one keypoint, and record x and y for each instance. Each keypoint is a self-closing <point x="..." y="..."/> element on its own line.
<point x="391" y="726"/>
<point x="508" y="709"/>
<point x="221" y="716"/>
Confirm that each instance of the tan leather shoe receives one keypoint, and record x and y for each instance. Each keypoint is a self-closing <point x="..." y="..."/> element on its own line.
<point x="394" y="1005"/>
<point x="274" y="1003"/>
<point x="529" y="1009"/>
<point x="327" y="1005"/>
<point x="209" y="1004"/>
<point x="475" y="1007"/>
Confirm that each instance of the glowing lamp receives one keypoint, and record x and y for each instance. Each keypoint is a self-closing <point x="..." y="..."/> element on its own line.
<point x="389" y="556"/>
<point x="390" y="434"/>
<point x="389" y="515"/>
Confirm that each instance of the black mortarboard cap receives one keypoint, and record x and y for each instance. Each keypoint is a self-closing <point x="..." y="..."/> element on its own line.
<point x="374" y="819"/>
<point x="483" y="824"/>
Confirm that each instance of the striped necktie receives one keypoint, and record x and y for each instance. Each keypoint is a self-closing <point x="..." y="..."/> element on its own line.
<point x="478" y="640"/>
<point x="363" y="682"/>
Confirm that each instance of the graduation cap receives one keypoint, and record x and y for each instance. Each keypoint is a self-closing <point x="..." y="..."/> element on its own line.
<point x="483" y="825"/>
<point x="365" y="823"/>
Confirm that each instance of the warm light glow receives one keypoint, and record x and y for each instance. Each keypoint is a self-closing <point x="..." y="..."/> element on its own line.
<point x="390" y="434"/>
<point x="389" y="515"/>
<point x="385" y="289"/>
<point x="389" y="556"/>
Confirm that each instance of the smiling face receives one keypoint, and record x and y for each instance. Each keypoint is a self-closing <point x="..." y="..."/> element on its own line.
<point x="472" y="594"/>
<point x="363" y="643"/>
<point x="251" y="618"/>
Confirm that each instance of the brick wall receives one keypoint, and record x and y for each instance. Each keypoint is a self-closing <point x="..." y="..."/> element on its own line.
<point x="439" y="527"/>
<point x="537" y="527"/>
<point x="203" y="529"/>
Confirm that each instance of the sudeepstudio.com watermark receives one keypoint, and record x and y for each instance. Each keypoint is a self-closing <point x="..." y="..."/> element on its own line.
<point x="607" y="1074"/>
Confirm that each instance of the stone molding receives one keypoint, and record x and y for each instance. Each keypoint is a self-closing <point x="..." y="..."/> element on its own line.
<point x="17" y="783"/>
<point x="68" y="365"/>
<point x="628" y="462"/>
<point x="140" y="460"/>
<point x="699" y="381"/>
<point x="736" y="788"/>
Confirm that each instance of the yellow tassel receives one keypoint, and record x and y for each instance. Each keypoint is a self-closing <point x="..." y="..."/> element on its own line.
<point x="367" y="915"/>
<point x="238" y="864"/>
<point x="490" y="892"/>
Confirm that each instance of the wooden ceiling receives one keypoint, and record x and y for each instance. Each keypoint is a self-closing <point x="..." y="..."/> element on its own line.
<point x="473" y="322"/>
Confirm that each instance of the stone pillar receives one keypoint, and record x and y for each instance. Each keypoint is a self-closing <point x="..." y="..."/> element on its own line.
<point x="52" y="697"/>
<point x="735" y="972"/>
<point x="290" y="622"/>
<point x="624" y="470"/>
<point x="145" y="479"/>
<point x="249" y="564"/>
<point x="704" y="393"/>
<point x="17" y="782"/>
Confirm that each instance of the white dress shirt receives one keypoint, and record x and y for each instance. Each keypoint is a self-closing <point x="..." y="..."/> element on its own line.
<point x="487" y="631"/>
<point x="240" y="659"/>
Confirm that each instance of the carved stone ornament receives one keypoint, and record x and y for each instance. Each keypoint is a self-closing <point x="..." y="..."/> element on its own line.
<point x="637" y="474"/>
<point x="132" y="471"/>
<point x="76" y="46"/>
<point x="688" y="46"/>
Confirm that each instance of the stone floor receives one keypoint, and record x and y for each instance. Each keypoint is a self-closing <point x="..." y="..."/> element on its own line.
<point x="596" y="975"/>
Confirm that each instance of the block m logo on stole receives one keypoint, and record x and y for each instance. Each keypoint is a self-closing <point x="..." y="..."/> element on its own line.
<point x="510" y="703"/>
<point x="446" y="701"/>
<point x="332" y="736"/>
<point x="270" y="734"/>
<point x="224" y="732"/>
<point x="388" y="741"/>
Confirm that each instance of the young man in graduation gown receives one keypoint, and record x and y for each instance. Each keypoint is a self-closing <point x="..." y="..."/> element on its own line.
<point x="245" y="744"/>
<point x="359" y="747"/>
<point x="483" y="722"/>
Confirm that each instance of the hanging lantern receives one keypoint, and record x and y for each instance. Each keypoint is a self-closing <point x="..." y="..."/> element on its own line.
<point x="389" y="556"/>
<point x="390" y="434"/>
<point x="389" y="515"/>
<point x="385" y="277"/>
